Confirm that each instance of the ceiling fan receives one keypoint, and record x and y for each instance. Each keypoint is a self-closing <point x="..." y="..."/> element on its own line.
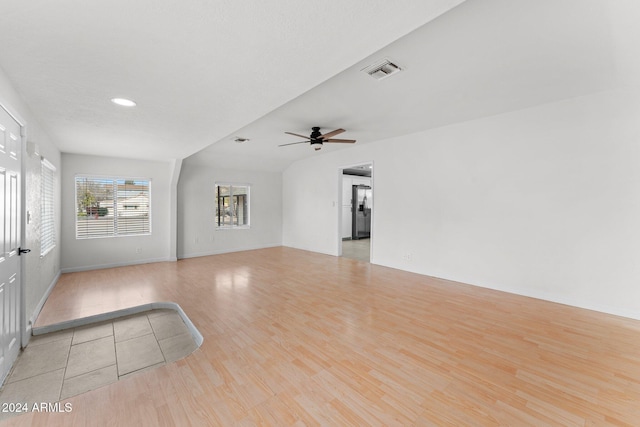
<point x="316" y="139"/>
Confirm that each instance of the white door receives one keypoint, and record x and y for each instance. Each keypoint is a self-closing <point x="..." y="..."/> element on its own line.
<point x="10" y="168"/>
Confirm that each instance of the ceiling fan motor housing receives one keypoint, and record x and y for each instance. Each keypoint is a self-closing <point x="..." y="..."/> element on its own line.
<point x="315" y="135"/>
<point x="316" y="138"/>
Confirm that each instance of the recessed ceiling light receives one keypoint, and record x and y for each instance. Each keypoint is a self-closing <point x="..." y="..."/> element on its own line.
<point x="123" y="102"/>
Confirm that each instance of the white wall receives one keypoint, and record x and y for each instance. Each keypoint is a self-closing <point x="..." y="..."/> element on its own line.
<point x="541" y="202"/>
<point x="87" y="254"/>
<point x="40" y="273"/>
<point x="196" y="210"/>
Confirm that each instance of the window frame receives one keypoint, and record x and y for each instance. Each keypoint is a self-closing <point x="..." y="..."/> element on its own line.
<point x="114" y="180"/>
<point x="47" y="207"/>
<point x="229" y="184"/>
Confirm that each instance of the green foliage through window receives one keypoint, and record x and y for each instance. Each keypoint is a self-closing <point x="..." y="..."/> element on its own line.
<point x="108" y="207"/>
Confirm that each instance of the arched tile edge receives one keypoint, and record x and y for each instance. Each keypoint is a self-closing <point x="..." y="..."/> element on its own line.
<point x="112" y="315"/>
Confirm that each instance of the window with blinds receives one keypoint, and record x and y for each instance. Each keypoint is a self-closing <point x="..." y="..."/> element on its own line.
<point x="110" y="207"/>
<point x="47" y="220"/>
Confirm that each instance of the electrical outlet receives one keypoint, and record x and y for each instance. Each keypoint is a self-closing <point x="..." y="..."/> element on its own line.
<point x="197" y="239"/>
<point x="138" y="250"/>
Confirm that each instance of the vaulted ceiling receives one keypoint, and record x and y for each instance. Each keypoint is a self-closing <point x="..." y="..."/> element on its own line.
<point x="198" y="69"/>
<point x="206" y="72"/>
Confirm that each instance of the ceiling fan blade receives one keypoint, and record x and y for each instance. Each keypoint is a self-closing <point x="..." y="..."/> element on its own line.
<point x="294" y="143"/>
<point x="332" y="133"/>
<point x="348" y="141"/>
<point x="295" y="134"/>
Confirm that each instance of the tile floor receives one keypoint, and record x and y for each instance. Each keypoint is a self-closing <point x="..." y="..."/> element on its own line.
<point x="62" y="364"/>
<point x="356" y="249"/>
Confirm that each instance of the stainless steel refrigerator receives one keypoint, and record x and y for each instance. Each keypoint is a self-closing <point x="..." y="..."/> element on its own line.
<point x="361" y="212"/>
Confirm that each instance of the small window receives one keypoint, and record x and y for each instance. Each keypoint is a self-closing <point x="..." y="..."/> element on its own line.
<point x="232" y="205"/>
<point x="47" y="220"/>
<point x="110" y="207"/>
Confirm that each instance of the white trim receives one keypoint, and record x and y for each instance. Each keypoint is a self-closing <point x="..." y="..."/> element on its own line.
<point x="217" y="184"/>
<point x="43" y="254"/>
<point x="23" y="123"/>
<point x="228" y="251"/>
<point x="114" y="177"/>
<point x="22" y="332"/>
<point x="355" y="165"/>
<point x="38" y="309"/>
<point x="232" y="227"/>
<point x="339" y="205"/>
<point x="69" y="324"/>
<point x="48" y="164"/>
<point x="310" y="249"/>
<point x="117" y="264"/>
<point x="237" y="184"/>
<point x="586" y="305"/>
<point x="176" y="167"/>
<point x="544" y="296"/>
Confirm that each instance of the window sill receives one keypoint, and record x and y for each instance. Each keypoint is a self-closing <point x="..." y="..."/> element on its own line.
<point x="243" y="227"/>
<point x="42" y="255"/>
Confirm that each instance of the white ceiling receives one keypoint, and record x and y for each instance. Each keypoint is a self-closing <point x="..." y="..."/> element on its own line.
<point x="480" y="59"/>
<point x="198" y="69"/>
<point x="204" y="72"/>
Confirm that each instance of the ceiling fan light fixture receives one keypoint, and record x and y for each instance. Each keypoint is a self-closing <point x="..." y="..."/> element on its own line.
<point x="316" y="144"/>
<point x="123" y="102"/>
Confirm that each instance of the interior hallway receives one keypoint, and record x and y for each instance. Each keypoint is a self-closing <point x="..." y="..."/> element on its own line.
<point x="357" y="249"/>
<point x="293" y="337"/>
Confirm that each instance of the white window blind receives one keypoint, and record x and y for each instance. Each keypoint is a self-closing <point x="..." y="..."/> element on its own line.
<point x="47" y="224"/>
<point x="109" y="207"/>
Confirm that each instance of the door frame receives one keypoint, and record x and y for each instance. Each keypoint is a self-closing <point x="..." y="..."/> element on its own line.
<point x="24" y="336"/>
<point x="339" y="207"/>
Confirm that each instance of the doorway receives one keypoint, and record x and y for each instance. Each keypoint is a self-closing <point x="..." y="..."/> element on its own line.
<point x="10" y="236"/>
<point x="356" y="214"/>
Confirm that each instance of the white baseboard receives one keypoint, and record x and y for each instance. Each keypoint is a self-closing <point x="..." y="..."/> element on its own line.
<point x="227" y="251"/>
<point x="38" y="309"/>
<point x="310" y="249"/>
<point x="587" y="305"/>
<point x="26" y="334"/>
<point x="545" y="296"/>
<point x="117" y="264"/>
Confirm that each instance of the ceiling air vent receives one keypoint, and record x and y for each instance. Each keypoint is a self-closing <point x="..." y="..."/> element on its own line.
<point x="382" y="69"/>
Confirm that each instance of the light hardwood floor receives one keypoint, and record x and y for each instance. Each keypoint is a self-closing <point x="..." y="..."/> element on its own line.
<point x="298" y="338"/>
